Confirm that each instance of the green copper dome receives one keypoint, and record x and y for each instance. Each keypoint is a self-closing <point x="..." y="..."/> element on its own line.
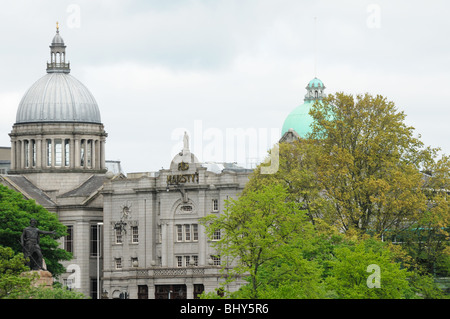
<point x="299" y="119"/>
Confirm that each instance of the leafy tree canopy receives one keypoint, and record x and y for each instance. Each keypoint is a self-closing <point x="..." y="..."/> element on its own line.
<point x="15" y="215"/>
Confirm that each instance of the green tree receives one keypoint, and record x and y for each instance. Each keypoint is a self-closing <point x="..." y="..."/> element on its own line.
<point x="297" y="172"/>
<point x="11" y="267"/>
<point x="370" y="163"/>
<point x="256" y="229"/>
<point x="15" y="215"/>
<point x="367" y="270"/>
<point x="56" y="292"/>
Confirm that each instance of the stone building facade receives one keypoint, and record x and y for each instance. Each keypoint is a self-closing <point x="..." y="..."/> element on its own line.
<point x="154" y="244"/>
<point x="134" y="236"/>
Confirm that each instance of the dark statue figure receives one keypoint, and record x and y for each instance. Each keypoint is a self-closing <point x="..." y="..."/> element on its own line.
<point x="30" y="245"/>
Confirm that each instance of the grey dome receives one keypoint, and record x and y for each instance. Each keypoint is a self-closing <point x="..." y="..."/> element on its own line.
<point x="58" y="97"/>
<point x="57" y="39"/>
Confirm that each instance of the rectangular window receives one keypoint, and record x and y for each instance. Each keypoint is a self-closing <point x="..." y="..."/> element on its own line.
<point x="58" y="152"/>
<point x="26" y="151"/>
<point x="194" y="232"/>
<point x="68" y="240"/>
<point x="94" y="240"/>
<point x="216" y="234"/>
<point x="118" y="263"/>
<point x="187" y="232"/>
<point x="179" y="233"/>
<point x="195" y="258"/>
<point x="33" y="153"/>
<point x="82" y="152"/>
<point x="89" y="153"/>
<point x="67" y="152"/>
<point x="216" y="260"/>
<point x="187" y="261"/>
<point x="179" y="261"/>
<point x="49" y="152"/>
<point x="119" y="237"/>
<point x="215" y="205"/>
<point x="134" y="234"/>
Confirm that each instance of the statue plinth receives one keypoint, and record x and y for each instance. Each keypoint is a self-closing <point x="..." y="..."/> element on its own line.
<point x="44" y="278"/>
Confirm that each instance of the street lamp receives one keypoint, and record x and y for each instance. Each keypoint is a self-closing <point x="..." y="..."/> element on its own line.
<point x="98" y="259"/>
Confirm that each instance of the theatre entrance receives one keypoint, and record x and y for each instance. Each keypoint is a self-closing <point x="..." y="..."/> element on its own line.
<point x="170" y="292"/>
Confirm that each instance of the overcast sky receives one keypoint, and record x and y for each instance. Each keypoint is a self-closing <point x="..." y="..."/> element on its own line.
<point x="219" y="67"/>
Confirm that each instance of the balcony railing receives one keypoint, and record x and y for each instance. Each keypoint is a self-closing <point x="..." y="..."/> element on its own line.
<point x="62" y="67"/>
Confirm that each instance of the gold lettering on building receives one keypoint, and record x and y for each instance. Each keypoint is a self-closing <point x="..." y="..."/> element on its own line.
<point x="182" y="178"/>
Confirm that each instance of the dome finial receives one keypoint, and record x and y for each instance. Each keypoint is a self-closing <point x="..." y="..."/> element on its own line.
<point x="58" y="54"/>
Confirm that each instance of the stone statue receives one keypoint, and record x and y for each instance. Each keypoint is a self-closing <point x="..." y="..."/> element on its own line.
<point x="30" y="245"/>
<point x="185" y="142"/>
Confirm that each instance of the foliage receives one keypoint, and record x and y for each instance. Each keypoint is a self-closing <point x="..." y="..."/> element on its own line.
<point x="350" y="272"/>
<point x="15" y="215"/>
<point x="56" y="292"/>
<point x="360" y="176"/>
<point x="297" y="173"/>
<point x="370" y="162"/>
<point x="11" y="266"/>
<point x="255" y="229"/>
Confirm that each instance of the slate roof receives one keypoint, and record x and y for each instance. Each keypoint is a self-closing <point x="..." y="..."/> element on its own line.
<point x="29" y="190"/>
<point x="87" y="188"/>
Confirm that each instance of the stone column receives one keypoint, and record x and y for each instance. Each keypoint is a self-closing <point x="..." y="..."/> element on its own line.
<point x="63" y="152"/>
<point x="93" y="157"/>
<point x="189" y="289"/>
<point x="39" y="153"/>
<point x="165" y="239"/>
<point x="13" y="155"/>
<point x="71" y="153"/>
<point x="53" y="152"/>
<point x="102" y="154"/>
<point x="77" y="153"/>
<point x="22" y="154"/>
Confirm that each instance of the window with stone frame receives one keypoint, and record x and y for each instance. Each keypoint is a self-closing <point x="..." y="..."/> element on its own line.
<point x="68" y="240"/>
<point x="216" y="235"/>
<point x="187" y="232"/>
<point x="134" y="234"/>
<point x="119" y="236"/>
<point x="194" y="232"/>
<point x="215" y="205"/>
<point x="215" y="260"/>
<point x="179" y="233"/>
<point x="118" y="263"/>
<point x="179" y="261"/>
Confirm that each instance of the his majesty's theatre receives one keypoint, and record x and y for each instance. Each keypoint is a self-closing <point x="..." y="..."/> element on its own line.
<point x="134" y="236"/>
